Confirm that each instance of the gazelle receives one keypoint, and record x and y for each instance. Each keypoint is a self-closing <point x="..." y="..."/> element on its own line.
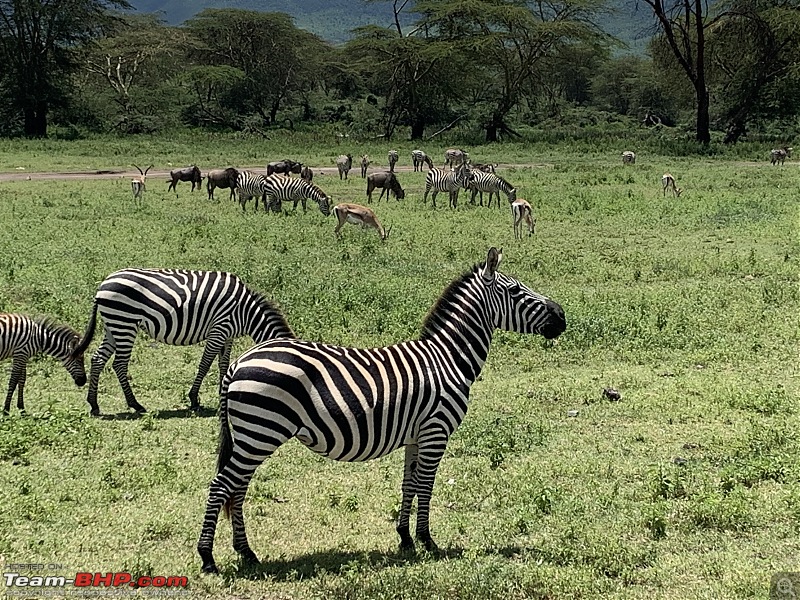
<point x="137" y="183"/>
<point x="358" y="215"/>
<point x="668" y="181"/>
<point x="522" y="211"/>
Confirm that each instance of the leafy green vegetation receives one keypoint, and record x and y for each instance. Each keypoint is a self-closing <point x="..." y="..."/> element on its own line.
<point x="686" y="487"/>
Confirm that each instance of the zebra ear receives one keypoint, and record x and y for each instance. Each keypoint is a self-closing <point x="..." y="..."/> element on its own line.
<point x="492" y="262"/>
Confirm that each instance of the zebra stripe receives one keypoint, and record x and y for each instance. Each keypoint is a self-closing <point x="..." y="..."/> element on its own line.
<point x="489" y="182"/>
<point x="179" y="308"/>
<point x="251" y="185"/>
<point x="353" y="404"/>
<point x="279" y="189"/>
<point x="446" y="181"/>
<point x="22" y="337"/>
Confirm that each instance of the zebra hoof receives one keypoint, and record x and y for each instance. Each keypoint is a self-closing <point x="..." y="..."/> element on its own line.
<point x="138" y="407"/>
<point x="210" y="568"/>
<point x="249" y="557"/>
<point x="95" y="412"/>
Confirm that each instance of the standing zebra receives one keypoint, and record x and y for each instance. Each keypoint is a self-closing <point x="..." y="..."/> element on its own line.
<point x="447" y="181"/>
<point x="344" y="162"/>
<point x="364" y="165"/>
<point x="779" y="155"/>
<point x="419" y="158"/>
<point x="393" y="158"/>
<point x="279" y="189"/>
<point x="22" y="337"/>
<point x="454" y="157"/>
<point x="249" y="185"/>
<point x="489" y="182"/>
<point x="179" y="308"/>
<point x="353" y="404"/>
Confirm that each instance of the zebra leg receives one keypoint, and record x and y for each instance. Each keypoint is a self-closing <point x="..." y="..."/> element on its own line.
<point x="406" y="541"/>
<point x="99" y="360"/>
<point x="22" y="376"/>
<point x="432" y="444"/>
<point x="122" y="356"/>
<point x="17" y="374"/>
<point x="215" y="344"/>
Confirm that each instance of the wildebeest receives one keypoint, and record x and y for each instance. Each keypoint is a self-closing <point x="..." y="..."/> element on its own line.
<point x="285" y="166"/>
<point x="190" y="173"/>
<point x="344" y="162"/>
<point x="486" y="168"/>
<point x="222" y="178"/>
<point x="386" y="180"/>
<point x="306" y="173"/>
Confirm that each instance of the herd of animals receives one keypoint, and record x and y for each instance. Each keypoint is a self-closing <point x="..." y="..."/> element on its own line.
<point x="277" y="186"/>
<point x="348" y="404"/>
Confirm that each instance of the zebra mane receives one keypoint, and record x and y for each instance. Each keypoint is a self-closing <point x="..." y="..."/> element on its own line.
<point x="504" y="181"/>
<point x="314" y="187"/>
<point x="269" y="306"/>
<point x="449" y="297"/>
<point x="56" y="329"/>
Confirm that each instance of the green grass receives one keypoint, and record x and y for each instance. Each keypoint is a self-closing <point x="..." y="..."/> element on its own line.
<point x="688" y="307"/>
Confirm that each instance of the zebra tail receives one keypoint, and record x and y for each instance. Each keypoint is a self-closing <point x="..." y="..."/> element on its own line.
<point x="88" y="335"/>
<point x="225" y="450"/>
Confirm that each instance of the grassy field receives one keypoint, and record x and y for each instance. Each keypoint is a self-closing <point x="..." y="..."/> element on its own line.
<point x="687" y="487"/>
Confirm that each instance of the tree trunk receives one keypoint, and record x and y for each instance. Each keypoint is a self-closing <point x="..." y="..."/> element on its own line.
<point x="703" y="122"/>
<point x="491" y="131"/>
<point x="36" y="120"/>
<point x="417" y="130"/>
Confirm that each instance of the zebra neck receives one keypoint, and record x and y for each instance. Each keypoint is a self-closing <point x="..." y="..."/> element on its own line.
<point x="465" y="350"/>
<point x="261" y="320"/>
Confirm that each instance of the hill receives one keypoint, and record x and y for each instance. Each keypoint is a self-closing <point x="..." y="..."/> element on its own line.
<point x="333" y="20"/>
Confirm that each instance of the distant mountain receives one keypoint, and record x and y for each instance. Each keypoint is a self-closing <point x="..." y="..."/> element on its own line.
<point x="334" y="20"/>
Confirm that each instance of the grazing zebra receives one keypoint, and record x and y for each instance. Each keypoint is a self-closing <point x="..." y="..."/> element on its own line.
<point x="352" y="404"/>
<point x="180" y="308"/>
<point x="251" y="185"/>
<point x="667" y="182"/>
<point x="489" y="182"/>
<point x="279" y="189"/>
<point x="393" y="158"/>
<point x="419" y="158"/>
<point x="521" y="211"/>
<point x="447" y="181"/>
<point x="454" y="157"/>
<point x="344" y="163"/>
<point x="364" y="165"/>
<point x="628" y="158"/>
<point x="779" y="155"/>
<point x="22" y="337"/>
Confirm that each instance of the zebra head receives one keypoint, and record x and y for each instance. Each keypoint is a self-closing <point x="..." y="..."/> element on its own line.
<point x="63" y="343"/>
<point x="518" y="308"/>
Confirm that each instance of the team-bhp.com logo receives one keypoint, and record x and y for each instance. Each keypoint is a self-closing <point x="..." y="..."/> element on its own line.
<point x="14" y="579"/>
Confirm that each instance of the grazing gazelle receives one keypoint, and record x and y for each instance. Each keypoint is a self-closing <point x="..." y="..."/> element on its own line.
<point x="137" y="183"/>
<point x="668" y="181"/>
<point x="358" y="215"/>
<point x="522" y="211"/>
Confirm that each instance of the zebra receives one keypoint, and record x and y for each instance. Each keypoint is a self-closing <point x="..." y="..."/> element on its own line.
<point x="454" y="157"/>
<point x="364" y="165"/>
<point x="419" y="158"/>
<point x="779" y="155"/>
<point x="344" y="162"/>
<point x="352" y="404"/>
<point x="489" y="182"/>
<point x="180" y="308"/>
<point x="249" y="185"/>
<point x="279" y="188"/>
<point x="393" y="158"/>
<point x="628" y="158"/>
<point x="447" y="181"/>
<point x="22" y="337"/>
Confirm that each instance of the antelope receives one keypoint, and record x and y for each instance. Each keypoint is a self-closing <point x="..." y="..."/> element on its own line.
<point x="358" y="215"/>
<point x="628" y="158"/>
<point x="137" y="183"/>
<point x="364" y="164"/>
<point x="522" y="211"/>
<point x="668" y="181"/>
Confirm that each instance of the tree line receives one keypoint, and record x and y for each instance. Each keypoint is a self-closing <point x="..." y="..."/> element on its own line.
<point x="493" y="65"/>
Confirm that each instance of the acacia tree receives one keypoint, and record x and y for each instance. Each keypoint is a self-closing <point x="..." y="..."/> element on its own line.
<point x="38" y="42"/>
<point x="683" y="26"/>
<point x="278" y="60"/>
<point x="508" y="43"/>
